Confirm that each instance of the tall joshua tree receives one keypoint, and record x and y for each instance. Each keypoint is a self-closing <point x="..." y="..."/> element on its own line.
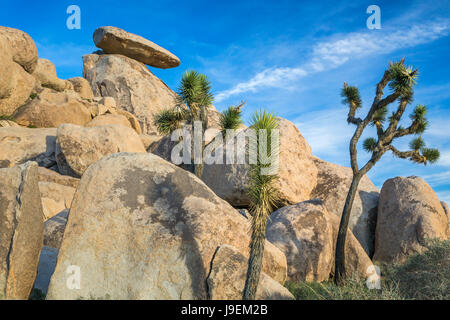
<point x="401" y="80"/>
<point x="231" y="118"/>
<point x="264" y="198"/>
<point x="195" y="92"/>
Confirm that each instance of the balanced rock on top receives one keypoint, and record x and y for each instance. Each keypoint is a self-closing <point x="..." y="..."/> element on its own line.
<point x="117" y="41"/>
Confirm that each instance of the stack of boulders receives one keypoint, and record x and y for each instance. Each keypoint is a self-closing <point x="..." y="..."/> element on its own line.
<point x="87" y="181"/>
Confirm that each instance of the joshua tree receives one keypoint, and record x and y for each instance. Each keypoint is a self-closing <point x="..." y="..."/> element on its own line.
<point x="195" y="92"/>
<point x="231" y="118"/>
<point x="264" y="197"/>
<point x="401" y="80"/>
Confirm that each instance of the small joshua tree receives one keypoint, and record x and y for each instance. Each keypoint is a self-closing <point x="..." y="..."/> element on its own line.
<point x="401" y="80"/>
<point x="264" y="198"/>
<point x="195" y="92"/>
<point x="231" y="118"/>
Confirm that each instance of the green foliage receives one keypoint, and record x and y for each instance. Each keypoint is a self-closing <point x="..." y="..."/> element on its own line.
<point x="231" y="118"/>
<point x="402" y="79"/>
<point x="431" y="155"/>
<point x="352" y="290"/>
<point x="417" y="144"/>
<point x="169" y="120"/>
<point x="423" y="276"/>
<point x="195" y="90"/>
<point x="264" y="198"/>
<point x="351" y="96"/>
<point x="418" y="117"/>
<point x="379" y="116"/>
<point x="369" y="144"/>
<point x="33" y="95"/>
<point x="9" y="118"/>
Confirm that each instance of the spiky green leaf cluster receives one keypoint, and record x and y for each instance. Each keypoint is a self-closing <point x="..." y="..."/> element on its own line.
<point x="402" y="80"/>
<point x="195" y="89"/>
<point x="417" y="143"/>
<point x="419" y="118"/>
<point x="168" y="121"/>
<point x="379" y="116"/>
<point x="431" y="155"/>
<point x="351" y="96"/>
<point x="370" y="144"/>
<point x="230" y="118"/>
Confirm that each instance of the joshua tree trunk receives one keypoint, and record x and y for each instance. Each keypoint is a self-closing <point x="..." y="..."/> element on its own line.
<point x="339" y="272"/>
<point x="198" y="168"/>
<point x="254" y="267"/>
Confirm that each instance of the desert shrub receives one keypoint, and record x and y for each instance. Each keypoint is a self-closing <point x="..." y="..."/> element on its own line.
<point x="423" y="276"/>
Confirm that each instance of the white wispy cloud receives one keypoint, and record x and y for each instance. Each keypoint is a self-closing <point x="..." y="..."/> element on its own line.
<point x="338" y="50"/>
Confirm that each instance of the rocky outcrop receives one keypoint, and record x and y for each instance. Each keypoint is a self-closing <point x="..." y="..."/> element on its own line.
<point x="21" y="46"/>
<point x="45" y="74"/>
<point x="20" y="88"/>
<point x="6" y="65"/>
<point x="51" y="176"/>
<point x="118" y="41"/>
<point x="82" y="87"/>
<point x="79" y="147"/>
<point x="54" y="229"/>
<point x="21" y="230"/>
<point x="333" y="183"/>
<point x="18" y="145"/>
<point x="55" y="198"/>
<point x="142" y="228"/>
<point x="306" y="233"/>
<point x="51" y="108"/>
<point x="226" y="279"/>
<point x="297" y="172"/>
<point x="131" y="84"/>
<point x="109" y="118"/>
<point x="409" y="213"/>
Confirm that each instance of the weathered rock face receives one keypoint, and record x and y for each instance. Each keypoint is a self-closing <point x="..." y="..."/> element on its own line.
<point x="55" y="198"/>
<point x="306" y="233"/>
<point x="118" y="41"/>
<point x="6" y="65"/>
<point x="333" y="183"/>
<point x="21" y="86"/>
<point x="22" y="47"/>
<point x="109" y="118"/>
<point x="226" y="280"/>
<point x="409" y="212"/>
<point x="297" y="172"/>
<point x="142" y="228"/>
<point x="54" y="229"/>
<point x="51" y="108"/>
<point x="50" y="176"/>
<point x="82" y="87"/>
<point x="78" y="147"/>
<point x="18" y="145"/>
<point x="131" y="84"/>
<point x="21" y="230"/>
<point x="45" y="73"/>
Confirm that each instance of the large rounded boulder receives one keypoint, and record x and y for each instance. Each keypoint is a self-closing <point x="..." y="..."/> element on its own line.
<point x="409" y="213"/>
<point x="306" y="233"/>
<point x="78" y="147"/>
<point x="23" y="49"/>
<point x="142" y="228"/>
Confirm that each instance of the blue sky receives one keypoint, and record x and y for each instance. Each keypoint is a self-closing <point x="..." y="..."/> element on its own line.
<point x="290" y="57"/>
